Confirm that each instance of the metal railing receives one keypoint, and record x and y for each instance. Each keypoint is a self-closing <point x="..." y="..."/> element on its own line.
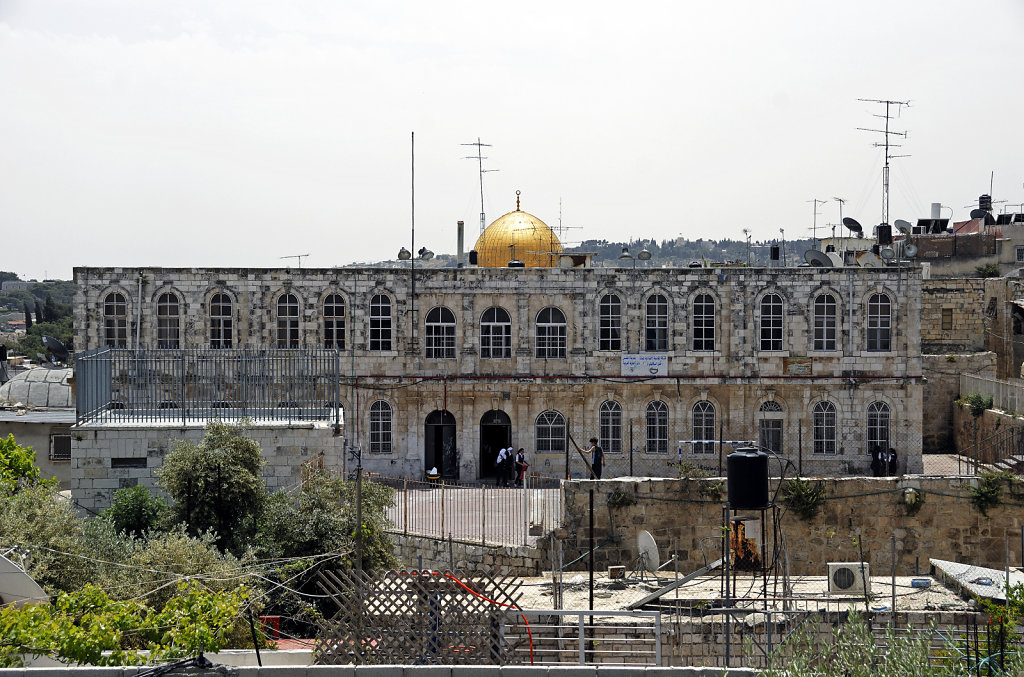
<point x="1006" y="395"/>
<point x="560" y="636"/>
<point x="119" y="385"/>
<point x="479" y="513"/>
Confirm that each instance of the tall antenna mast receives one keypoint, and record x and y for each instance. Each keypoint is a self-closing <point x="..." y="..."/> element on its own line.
<point x="296" y="256"/>
<point x="814" y="218"/>
<point x="480" y="157"/>
<point x="898" y="105"/>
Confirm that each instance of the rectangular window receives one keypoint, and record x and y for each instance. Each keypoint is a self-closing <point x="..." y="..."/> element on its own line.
<point x="60" y="447"/>
<point x="1020" y="254"/>
<point x="704" y="323"/>
<point x="770" y="434"/>
<point x="380" y="323"/>
<point x="771" y="322"/>
<point x="879" y="328"/>
<point x="129" y="462"/>
<point x="825" y="322"/>
<point x="947" y="319"/>
<point x="656" y="330"/>
<point x="610" y="329"/>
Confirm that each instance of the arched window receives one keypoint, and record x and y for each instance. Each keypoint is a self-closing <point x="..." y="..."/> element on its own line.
<point x="878" y="425"/>
<point x="115" y="320"/>
<point x="439" y="334"/>
<point x="825" y="322"/>
<point x="611" y="427"/>
<point x="288" y="321"/>
<point x="380" y="428"/>
<point x="550" y="431"/>
<point x="380" y="323"/>
<point x="168" y="321"/>
<point x="704" y="322"/>
<point x="657" y="427"/>
<point x="610" y="323"/>
<point x="334" y="322"/>
<point x="551" y="334"/>
<point x="824" y="428"/>
<point x="769" y="423"/>
<point x="771" y="322"/>
<point x="704" y="427"/>
<point x="221" y="324"/>
<point x="495" y="334"/>
<point x="656" y="324"/>
<point x="879" y="323"/>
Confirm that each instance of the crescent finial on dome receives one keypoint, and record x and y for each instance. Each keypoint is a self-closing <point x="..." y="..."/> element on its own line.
<point x="517" y="200"/>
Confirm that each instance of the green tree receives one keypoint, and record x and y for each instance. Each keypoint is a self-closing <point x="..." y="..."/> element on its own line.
<point x="39" y="312"/>
<point x="18" y="467"/>
<point x="88" y="627"/>
<point x="50" y="309"/>
<point x="28" y="317"/>
<point x="217" y="484"/>
<point x="135" y="511"/>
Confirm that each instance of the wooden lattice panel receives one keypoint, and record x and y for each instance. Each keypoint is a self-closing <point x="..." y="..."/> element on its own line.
<point x="410" y="617"/>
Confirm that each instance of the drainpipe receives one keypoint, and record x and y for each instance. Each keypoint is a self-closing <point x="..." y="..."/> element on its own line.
<point x="138" y="315"/>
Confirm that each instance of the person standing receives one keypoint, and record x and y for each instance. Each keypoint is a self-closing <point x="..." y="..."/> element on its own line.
<point x="877" y="461"/>
<point x="521" y="466"/>
<point x="892" y="463"/>
<point x="596" y="457"/>
<point x="501" y="469"/>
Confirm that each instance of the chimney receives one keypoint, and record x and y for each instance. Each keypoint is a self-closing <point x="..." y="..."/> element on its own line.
<point x="462" y="233"/>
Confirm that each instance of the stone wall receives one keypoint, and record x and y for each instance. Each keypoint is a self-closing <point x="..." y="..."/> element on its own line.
<point x="996" y="433"/>
<point x="424" y="552"/>
<point x="864" y="511"/>
<point x="106" y="458"/>
<point x="960" y="301"/>
<point x="940" y="392"/>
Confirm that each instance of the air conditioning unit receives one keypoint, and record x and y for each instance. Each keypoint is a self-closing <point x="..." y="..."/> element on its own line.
<point x="848" y="577"/>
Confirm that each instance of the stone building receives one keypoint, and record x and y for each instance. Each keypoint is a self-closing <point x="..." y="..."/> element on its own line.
<point x="38" y="408"/>
<point x="661" y="365"/>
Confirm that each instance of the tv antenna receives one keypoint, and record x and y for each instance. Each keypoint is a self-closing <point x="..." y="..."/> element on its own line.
<point x="480" y="157"/>
<point x="814" y="219"/>
<point x="889" y="105"/>
<point x="296" y="256"/>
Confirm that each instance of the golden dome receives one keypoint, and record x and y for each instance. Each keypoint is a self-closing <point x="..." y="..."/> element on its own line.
<point x="518" y="236"/>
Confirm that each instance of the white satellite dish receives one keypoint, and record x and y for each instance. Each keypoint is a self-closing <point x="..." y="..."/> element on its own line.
<point x="817" y="259"/>
<point x="17" y="587"/>
<point x="836" y="259"/>
<point x="910" y="251"/>
<point x="868" y="259"/>
<point x="902" y="226"/>
<point x="887" y="253"/>
<point x="647" y="550"/>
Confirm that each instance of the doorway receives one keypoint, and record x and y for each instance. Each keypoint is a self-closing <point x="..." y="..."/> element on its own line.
<point x="495" y="434"/>
<point x="439" y="449"/>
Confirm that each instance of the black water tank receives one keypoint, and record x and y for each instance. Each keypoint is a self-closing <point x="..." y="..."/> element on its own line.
<point x="773" y="252"/>
<point x="747" y="479"/>
<point x="474" y="256"/>
<point x="884" y="233"/>
<point x="985" y="202"/>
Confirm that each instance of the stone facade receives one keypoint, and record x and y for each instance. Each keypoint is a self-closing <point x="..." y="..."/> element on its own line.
<point x="951" y="321"/>
<point x="409" y="410"/>
<point x="110" y="457"/>
<point x="941" y="391"/>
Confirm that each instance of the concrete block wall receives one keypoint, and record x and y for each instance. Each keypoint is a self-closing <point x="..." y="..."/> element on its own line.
<point x="96" y="450"/>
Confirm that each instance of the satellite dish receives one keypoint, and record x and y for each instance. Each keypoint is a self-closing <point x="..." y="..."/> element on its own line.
<point x="902" y="226"/>
<point x="56" y="348"/>
<point x="647" y="550"/>
<point x="887" y="253"/>
<point x="868" y="259"/>
<point x="817" y="259"/>
<point x="852" y="224"/>
<point x="978" y="213"/>
<point x="17" y="587"/>
<point x="836" y="259"/>
<point x="910" y="251"/>
<point x="43" y="359"/>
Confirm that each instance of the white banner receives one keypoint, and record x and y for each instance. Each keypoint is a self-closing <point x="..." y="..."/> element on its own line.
<point x="644" y="364"/>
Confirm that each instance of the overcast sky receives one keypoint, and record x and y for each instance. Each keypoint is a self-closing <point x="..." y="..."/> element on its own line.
<point x="235" y="132"/>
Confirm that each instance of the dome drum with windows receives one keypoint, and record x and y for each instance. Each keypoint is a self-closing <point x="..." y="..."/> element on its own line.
<point x="518" y="236"/>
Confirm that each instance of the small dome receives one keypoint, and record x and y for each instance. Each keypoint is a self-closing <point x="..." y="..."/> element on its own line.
<point x="38" y="388"/>
<point x="518" y="236"/>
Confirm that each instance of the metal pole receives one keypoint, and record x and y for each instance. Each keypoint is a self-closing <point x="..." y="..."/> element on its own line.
<point x="800" y="450"/>
<point x="892" y="543"/>
<point x="591" y="551"/>
<point x="442" y="508"/>
<point x="631" y="449"/>
<point x="526" y="513"/>
<point x="568" y="475"/>
<point x="483" y="514"/>
<point x="405" y="506"/>
<point x="359" y="515"/>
